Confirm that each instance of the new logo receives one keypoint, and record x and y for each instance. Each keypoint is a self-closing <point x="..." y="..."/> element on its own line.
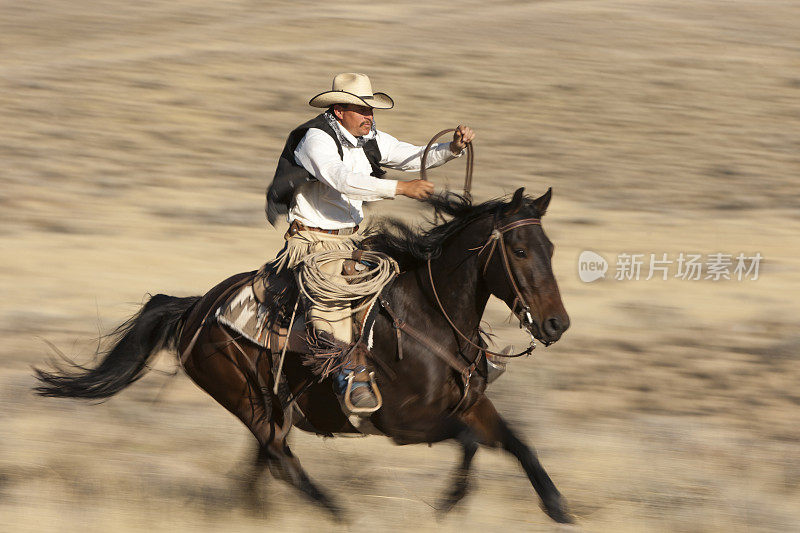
<point x="591" y="266"/>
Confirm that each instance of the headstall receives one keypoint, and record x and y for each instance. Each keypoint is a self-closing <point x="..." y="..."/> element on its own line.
<point x="525" y="318"/>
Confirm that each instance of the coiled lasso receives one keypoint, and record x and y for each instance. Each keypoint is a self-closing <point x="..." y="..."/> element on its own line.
<point x="323" y="290"/>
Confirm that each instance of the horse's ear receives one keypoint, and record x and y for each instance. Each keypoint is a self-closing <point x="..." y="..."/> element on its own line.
<point x="515" y="203"/>
<point x="543" y="201"/>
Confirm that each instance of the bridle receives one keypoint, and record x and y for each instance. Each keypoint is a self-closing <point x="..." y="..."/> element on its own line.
<point x="525" y="317"/>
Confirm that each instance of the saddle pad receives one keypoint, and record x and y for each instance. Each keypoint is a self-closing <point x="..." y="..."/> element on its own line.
<point x="244" y="315"/>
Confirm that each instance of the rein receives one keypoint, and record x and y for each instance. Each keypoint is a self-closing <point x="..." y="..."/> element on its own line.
<point x="496" y="235"/>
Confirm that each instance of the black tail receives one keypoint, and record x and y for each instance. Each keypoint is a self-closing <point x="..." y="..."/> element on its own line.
<point x="155" y="327"/>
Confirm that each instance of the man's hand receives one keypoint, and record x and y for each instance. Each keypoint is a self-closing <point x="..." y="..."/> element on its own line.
<point x="417" y="189"/>
<point x="461" y="137"/>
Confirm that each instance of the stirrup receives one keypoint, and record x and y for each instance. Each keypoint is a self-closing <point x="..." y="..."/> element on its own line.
<point x="362" y="410"/>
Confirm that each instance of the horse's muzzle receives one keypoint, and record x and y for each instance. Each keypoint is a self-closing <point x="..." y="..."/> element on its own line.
<point x="554" y="327"/>
<point x="547" y="331"/>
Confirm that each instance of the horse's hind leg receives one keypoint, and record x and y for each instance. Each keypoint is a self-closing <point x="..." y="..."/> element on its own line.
<point x="253" y="477"/>
<point x="494" y="431"/>
<point x="231" y="376"/>
<point x="285" y="465"/>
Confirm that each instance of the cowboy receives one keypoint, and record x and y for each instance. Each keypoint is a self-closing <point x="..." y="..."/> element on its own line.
<point x="329" y="167"/>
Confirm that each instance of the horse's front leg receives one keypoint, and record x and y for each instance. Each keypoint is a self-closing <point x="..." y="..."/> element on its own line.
<point x="438" y="429"/>
<point x="493" y="431"/>
<point x="468" y="440"/>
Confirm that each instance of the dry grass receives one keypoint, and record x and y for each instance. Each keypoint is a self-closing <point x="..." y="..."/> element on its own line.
<point x="136" y="141"/>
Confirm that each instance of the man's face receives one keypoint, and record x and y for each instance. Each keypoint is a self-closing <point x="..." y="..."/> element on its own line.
<point x="357" y="119"/>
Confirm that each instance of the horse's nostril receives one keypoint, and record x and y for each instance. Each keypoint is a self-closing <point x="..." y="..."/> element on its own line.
<point x="553" y="325"/>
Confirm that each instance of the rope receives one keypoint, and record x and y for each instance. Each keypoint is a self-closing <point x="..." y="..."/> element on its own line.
<point x="470" y="163"/>
<point x="326" y="291"/>
<point x="285" y="346"/>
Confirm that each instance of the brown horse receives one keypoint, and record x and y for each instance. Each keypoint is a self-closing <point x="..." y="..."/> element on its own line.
<point x="448" y="272"/>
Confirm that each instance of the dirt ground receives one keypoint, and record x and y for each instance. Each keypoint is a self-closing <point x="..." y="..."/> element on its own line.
<point x="136" y="139"/>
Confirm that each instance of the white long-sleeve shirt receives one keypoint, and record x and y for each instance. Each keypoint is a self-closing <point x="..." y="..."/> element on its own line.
<point x="344" y="183"/>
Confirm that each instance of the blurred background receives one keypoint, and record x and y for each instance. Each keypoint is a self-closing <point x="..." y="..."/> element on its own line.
<point x="137" y="138"/>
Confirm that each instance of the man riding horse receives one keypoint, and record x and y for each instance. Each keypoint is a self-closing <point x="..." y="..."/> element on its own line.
<point x="423" y="338"/>
<point x="329" y="167"/>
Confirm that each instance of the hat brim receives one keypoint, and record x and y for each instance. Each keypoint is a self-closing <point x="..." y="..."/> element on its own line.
<point x="329" y="98"/>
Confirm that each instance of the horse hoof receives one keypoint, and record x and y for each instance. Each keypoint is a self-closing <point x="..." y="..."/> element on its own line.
<point x="446" y="505"/>
<point x="337" y="514"/>
<point x="557" y="510"/>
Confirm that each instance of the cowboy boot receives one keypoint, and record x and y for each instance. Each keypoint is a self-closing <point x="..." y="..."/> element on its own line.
<point x="363" y="398"/>
<point x="359" y="397"/>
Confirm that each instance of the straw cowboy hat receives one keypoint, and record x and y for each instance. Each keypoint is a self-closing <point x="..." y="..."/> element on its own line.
<point x="352" y="88"/>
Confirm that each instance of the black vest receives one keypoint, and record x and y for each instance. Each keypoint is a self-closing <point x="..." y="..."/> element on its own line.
<point x="289" y="175"/>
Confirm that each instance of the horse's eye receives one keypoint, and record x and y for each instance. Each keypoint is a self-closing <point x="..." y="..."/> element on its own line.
<point x="520" y="253"/>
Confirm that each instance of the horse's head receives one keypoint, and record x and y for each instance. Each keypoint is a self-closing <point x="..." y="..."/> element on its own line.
<point x="514" y="260"/>
<point x="518" y="269"/>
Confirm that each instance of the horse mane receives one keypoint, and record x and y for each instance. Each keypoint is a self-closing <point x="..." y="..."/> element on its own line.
<point x="409" y="245"/>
